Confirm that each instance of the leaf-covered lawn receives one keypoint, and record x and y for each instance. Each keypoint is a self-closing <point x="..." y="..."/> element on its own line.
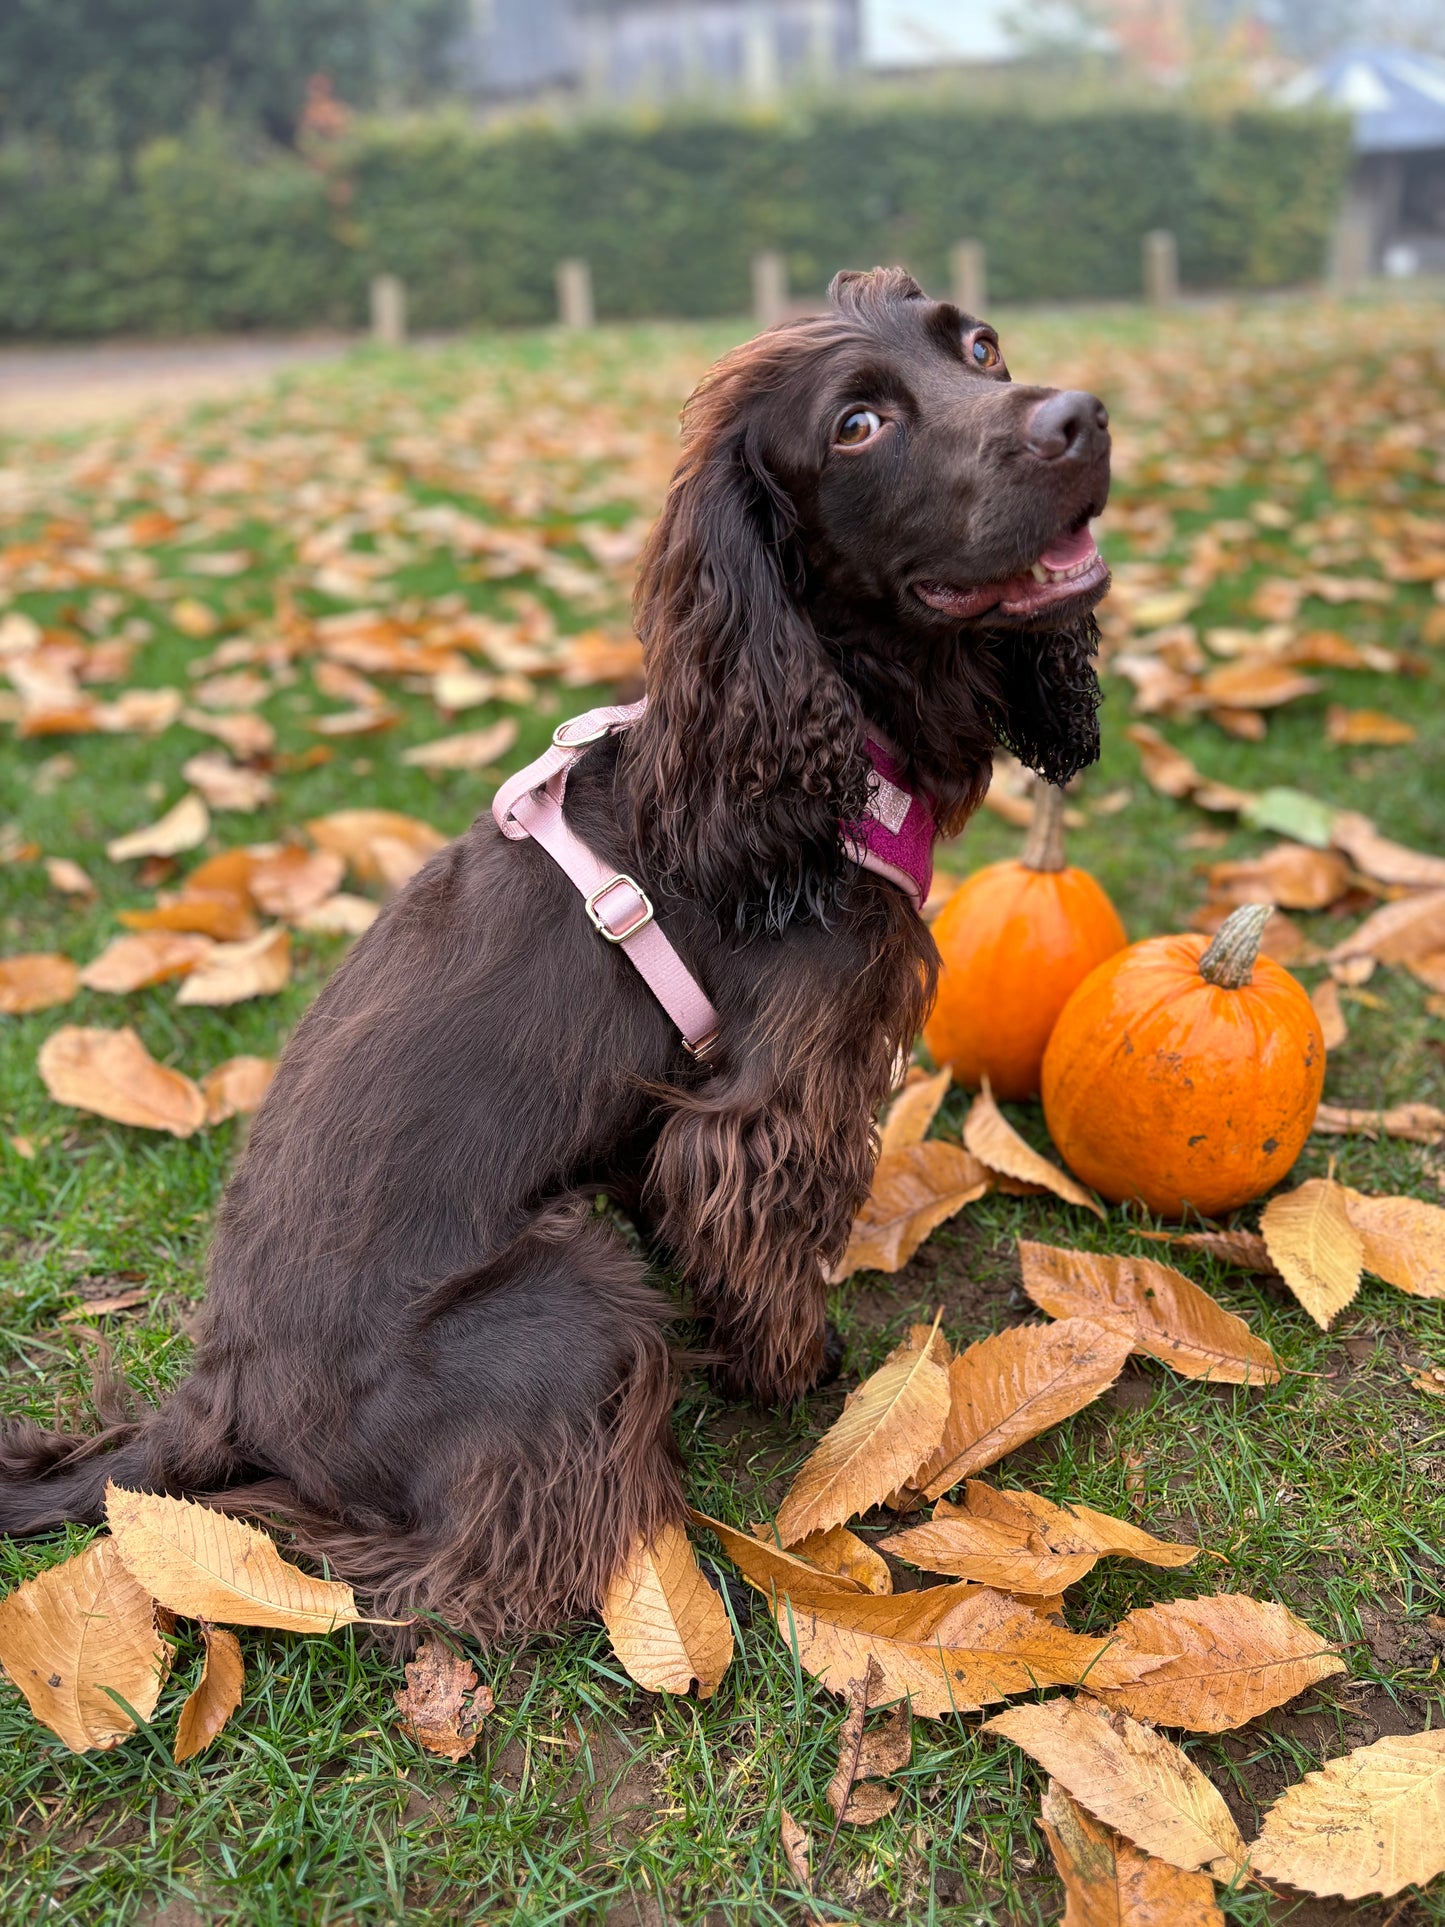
<point x="1276" y="465"/>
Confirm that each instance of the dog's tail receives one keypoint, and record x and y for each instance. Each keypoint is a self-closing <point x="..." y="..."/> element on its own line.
<point x="50" y="1479"/>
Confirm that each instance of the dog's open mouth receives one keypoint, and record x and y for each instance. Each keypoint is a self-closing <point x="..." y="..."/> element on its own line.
<point x="1071" y="566"/>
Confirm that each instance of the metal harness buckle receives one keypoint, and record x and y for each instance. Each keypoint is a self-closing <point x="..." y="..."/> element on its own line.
<point x="594" y="735"/>
<point x="599" y="921"/>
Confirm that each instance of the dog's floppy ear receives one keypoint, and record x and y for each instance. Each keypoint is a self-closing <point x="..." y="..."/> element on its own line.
<point x="1047" y="701"/>
<point x="751" y="750"/>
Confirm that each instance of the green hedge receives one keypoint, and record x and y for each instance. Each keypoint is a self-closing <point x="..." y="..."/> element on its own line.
<point x="202" y="235"/>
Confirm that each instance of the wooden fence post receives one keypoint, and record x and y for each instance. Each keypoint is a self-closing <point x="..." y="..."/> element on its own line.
<point x="574" y="294"/>
<point x="968" y="276"/>
<point x="388" y="311"/>
<point x="1161" y="268"/>
<point x="770" y="288"/>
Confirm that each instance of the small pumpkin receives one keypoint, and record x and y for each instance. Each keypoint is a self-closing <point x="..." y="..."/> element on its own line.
<point x="1186" y="1076"/>
<point x="1016" y="939"/>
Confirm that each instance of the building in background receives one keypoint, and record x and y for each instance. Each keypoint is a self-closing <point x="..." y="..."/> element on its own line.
<point x="1397" y="191"/>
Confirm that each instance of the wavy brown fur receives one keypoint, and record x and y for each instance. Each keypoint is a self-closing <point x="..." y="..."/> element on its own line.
<point x="422" y="1346"/>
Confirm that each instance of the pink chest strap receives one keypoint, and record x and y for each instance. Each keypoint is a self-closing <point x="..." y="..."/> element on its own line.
<point x="895" y="840"/>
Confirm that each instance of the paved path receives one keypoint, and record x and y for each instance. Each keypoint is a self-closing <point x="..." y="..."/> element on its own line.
<point x="57" y="388"/>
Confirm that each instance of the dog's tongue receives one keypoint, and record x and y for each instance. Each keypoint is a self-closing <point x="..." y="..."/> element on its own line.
<point x="1067" y="551"/>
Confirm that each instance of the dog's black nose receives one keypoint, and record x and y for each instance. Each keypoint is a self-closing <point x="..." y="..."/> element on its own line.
<point x="1072" y="425"/>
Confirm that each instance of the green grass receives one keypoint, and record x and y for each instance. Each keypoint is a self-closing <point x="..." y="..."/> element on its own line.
<point x="589" y="1800"/>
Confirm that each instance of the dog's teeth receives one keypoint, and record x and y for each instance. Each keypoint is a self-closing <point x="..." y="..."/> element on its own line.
<point x="1039" y="572"/>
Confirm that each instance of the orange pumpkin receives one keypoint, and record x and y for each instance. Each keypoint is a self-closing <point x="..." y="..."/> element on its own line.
<point x="1186" y="1077"/>
<point x="1016" y="938"/>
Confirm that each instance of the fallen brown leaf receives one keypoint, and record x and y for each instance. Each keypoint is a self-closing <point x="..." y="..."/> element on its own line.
<point x="236" y="1087"/>
<point x="205" y="1565"/>
<point x="1291" y="875"/>
<point x="1371" y="1822"/>
<point x="1108" y="1882"/>
<point x="990" y="1552"/>
<point x="68" y="878"/>
<point x="1397" y="932"/>
<point x="1131" y="1778"/>
<point x="668" y="1627"/>
<point x="1315" y="1248"/>
<point x="213" y="913"/>
<point x="181" y="828"/>
<point x="1326" y="999"/>
<point x="1166" y="1315"/>
<point x="914" y="1190"/>
<point x="224" y="785"/>
<point x="840" y="1551"/>
<point x="1166" y="769"/>
<point x="1351" y="726"/>
<point x="291" y="881"/>
<point x="1376" y="856"/>
<point x="111" y="1074"/>
<point x="340" y="916"/>
<point x="1256" y="685"/>
<point x="1230" y="1658"/>
<point x="865" y="1757"/>
<point x="1424" y="1123"/>
<point x="772" y="1569"/>
<point x="1246" y="1250"/>
<point x="1009" y="1388"/>
<point x="355" y="834"/>
<point x="36" y="980"/>
<point x="471" y="749"/>
<point x="76" y="1629"/>
<point x="912" y="1111"/>
<point x="442" y="1706"/>
<point x="245" y="734"/>
<point x="216" y="1694"/>
<point x="100" y="1307"/>
<point x="889" y="1428"/>
<point x="151" y="957"/>
<point x="235" y="971"/>
<point x="1404" y="1241"/>
<point x="797" y="1850"/>
<point x="1068" y="1528"/>
<point x="995" y="1143"/>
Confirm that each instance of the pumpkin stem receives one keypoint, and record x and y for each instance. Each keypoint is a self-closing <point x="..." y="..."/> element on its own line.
<point x="1229" y="960"/>
<point x="1044" y="845"/>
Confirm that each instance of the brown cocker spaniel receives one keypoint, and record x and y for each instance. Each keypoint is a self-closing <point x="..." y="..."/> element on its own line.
<point x="424" y="1344"/>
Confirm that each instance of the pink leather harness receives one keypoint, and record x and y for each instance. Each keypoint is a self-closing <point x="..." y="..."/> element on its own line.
<point x="895" y="840"/>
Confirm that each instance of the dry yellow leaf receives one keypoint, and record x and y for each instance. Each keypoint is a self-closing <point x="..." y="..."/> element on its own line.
<point x="1326" y="1000"/>
<point x="1108" y="1882"/>
<point x="1230" y="1658"/>
<point x="1166" y="769"/>
<point x="865" y="1756"/>
<point x="151" y="957"/>
<point x="200" y="1563"/>
<point x="1256" y="685"/>
<point x="225" y="785"/>
<point x="1011" y="1387"/>
<point x="773" y="1570"/>
<point x="914" y="1191"/>
<point x="354" y="834"/>
<point x="215" y="1696"/>
<point x="995" y="1143"/>
<point x="111" y="1074"/>
<point x="1167" y="1315"/>
<point x="471" y="749"/>
<point x="1352" y="726"/>
<point x="1422" y="1123"/>
<point x="668" y="1627"/>
<point x="1131" y="1778"/>
<point x="244" y="733"/>
<point x="1291" y="875"/>
<point x="235" y="971"/>
<point x="1243" y="1249"/>
<point x="1315" y="1248"/>
<point x="36" y="980"/>
<point x="889" y="1428"/>
<point x="442" y="1706"/>
<point x="214" y="913"/>
<point x="840" y="1551"/>
<point x="1383" y="860"/>
<point x="1404" y="1241"/>
<point x="290" y="881"/>
<point x="990" y="1553"/>
<point x="957" y="1651"/>
<point x="1069" y="1528"/>
<point x="68" y="878"/>
<point x="72" y="1631"/>
<point x="797" y="1851"/>
<point x="181" y="828"/>
<point x="236" y="1087"/>
<point x="1397" y="933"/>
<point x="913" y="1110"/>
<point x="1369" y="1823"/>
<point x="340" y="916"/>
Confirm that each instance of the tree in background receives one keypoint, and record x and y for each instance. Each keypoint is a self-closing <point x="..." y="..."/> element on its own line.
<point x="116" y="73"/>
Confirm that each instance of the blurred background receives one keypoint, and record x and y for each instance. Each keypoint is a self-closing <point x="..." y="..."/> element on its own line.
<point x="191" y="168"/>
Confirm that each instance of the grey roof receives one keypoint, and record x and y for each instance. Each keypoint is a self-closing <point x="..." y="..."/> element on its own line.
<point x="1397" y="96"/>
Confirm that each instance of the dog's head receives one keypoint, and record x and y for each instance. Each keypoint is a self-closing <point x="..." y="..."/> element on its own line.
<point x="870" y="519"/>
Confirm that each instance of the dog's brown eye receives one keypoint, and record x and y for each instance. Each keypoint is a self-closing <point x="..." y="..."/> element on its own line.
<point x="857" y="426"/>
<point x="985" y="352"/>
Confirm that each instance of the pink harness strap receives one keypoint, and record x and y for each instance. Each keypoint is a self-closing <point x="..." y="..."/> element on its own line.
<point x="895" y="839"/>
<point x="530" y="804"/>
